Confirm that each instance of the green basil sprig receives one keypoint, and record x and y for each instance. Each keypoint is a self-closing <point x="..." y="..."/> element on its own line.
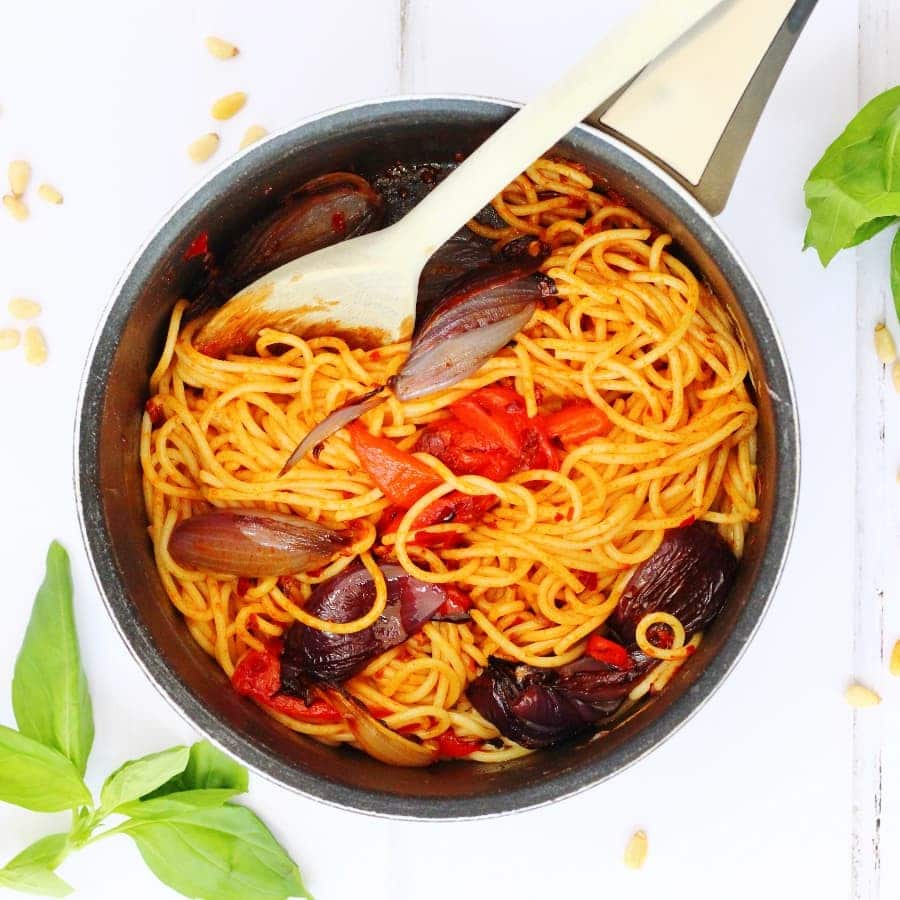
<point x="853" y="191"/>
<point x="49" y="690"/>
<point x="177" y="803"/>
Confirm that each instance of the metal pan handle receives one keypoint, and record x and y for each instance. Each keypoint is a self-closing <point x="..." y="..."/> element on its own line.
<point x="694" y="110"/>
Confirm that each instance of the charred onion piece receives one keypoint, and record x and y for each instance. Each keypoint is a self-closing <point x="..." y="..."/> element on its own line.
<point x="375" y="737"/>
<point x="463" y="254"/>
<point x="332" y="423"/>
<point x="321" y="212"/>
<point x="688" y="577"/>
<point x="600" y="685"/>
<point x="539" y="707"/>
<point x="313" y="655"/>
<point x="472" y="322"/>
<point x="253" y="543"/>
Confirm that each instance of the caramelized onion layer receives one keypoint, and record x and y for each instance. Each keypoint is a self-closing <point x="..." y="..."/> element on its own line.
<point x="253" y="543"/>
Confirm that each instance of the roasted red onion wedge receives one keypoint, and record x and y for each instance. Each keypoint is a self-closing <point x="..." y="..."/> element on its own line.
<point x="332" y="423"/>
<point x="313" y="655"/>
<point x="598" y="683"/>
<point x="689" y="577"/>
<point x="253" y="543"/>
<point x="541" y="707"/>
<point x="474" y="320"/>
<point x="322" y="212"/>
<point x="375" y="737"/>
<point x="463" y="254"/>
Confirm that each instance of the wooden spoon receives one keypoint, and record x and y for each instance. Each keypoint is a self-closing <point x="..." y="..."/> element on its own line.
<point x="368" y="285"/>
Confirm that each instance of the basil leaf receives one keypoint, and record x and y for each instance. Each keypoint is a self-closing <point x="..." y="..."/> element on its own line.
<point x="208" y="767"/>
<point x="209" y="779"/>
<point x="32" y="870"/>
<point x="895" y="272"/>
<point x="34" y="880"/>
<point x="857" y="180"/>
<point x="49" y="692"/>
<point x="168" y="805"/>
<point x="870" y="229"/>
<point x="47" y="853"/>
<point x="140" y="776"/>
<point x="217" y="854"/>
<point x="37" y="777"/>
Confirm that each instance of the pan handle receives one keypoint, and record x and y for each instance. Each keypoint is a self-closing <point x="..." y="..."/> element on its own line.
<point x="694" y="110"/>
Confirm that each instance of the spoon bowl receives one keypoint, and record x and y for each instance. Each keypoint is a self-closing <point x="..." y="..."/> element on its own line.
<point x="362" y="290"/>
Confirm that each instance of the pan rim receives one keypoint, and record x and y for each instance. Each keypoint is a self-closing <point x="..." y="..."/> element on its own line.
<point x="701" y="225"/>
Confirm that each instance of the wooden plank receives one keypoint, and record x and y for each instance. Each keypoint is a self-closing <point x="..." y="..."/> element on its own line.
<point x="876" y="785"/>
<point x="879" y="29"/>
<point x="500" y="48"/>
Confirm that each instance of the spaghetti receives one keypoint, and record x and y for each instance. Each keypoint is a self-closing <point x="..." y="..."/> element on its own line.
<point x="634" y="333"/>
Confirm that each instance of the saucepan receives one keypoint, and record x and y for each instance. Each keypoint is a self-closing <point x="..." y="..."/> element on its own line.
<point x="368" y="137"/>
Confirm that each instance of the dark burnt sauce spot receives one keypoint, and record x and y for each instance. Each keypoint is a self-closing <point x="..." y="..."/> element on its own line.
<point x="403" y="185"/>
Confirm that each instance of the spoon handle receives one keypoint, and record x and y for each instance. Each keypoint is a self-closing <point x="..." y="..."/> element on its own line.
<point x="612" y="62"/>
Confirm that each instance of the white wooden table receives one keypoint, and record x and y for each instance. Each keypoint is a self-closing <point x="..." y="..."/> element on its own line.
<point x="777" y="788"/>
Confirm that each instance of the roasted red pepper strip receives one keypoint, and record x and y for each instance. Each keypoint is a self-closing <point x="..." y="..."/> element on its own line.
<point x="576" y="423"/>
<point x="451" y="746"/>
<point x="453" y="507"/>
<point x="489" y="433"/>
<point x="317" y="713"/>
<point x="537" y="450"/>
<point x="606" y="651"/>
<point x="390" y="522"/>
<point x="505" y="405"/>
<point x="464" y="451"/>
<point x="497" y="398"/>
<point x="588" y="579"/>
<point x="156" y="412"/>
<point x="199" y="246"/>
<point x="496" y="426"/>
<point x="401" y="477"/>
<point x="258" y="676"/>
<point x="457" y="603"/>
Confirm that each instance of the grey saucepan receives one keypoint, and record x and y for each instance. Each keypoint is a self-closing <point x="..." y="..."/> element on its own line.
<point x="368" y="137"/>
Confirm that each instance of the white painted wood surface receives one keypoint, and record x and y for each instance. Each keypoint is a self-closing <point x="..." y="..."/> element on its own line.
<point x="876" y="589"/>
<point x="760" y="795"/>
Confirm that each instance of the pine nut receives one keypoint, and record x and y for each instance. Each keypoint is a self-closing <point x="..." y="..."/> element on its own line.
<point x="50" y="194"/>
<point x="859" y="695"/>
<point x="35" y="346"/>
<point x="9" y="338"/>
<point x="15" y="207"/>
<point x="203" y="148"/>
<point x="636" y="850"/>
<point x="884" y="344"/>
<point x="20" y="308"/>
<point x="220" y="48"/>
<point x="252" y="135"/>
<point x="895" y="659"/>
<point x="895" y="376"/>
<point x="19" y="176"/>
<point x="228" y="106"/>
